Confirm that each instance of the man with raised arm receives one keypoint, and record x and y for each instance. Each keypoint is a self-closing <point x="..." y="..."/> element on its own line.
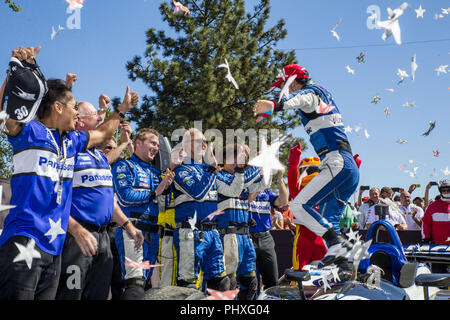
<point x="44" y="152"/>
<point x="338" y="173"/>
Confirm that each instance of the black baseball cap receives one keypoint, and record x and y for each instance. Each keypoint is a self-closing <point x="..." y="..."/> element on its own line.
<point x="24" y="90"/>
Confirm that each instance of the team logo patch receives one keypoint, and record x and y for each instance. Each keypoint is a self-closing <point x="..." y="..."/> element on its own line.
<point x="121" y="168"/>
<point x="183" y="174"/>
<point x="85" y="158"/>
<point x="121" y="176"/>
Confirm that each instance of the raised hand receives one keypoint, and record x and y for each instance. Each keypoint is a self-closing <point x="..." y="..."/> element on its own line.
<point x="262" y="107"/>
<point x="70" y="79"/>
<point x="26" y="54"/>
<point x="125" y="132"/>
<point x="103" y="102"/>
<point x="130" y="99"/>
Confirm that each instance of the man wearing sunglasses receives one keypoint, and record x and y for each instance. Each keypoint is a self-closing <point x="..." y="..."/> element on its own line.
<point x="196" y="238"/>
<point x="44" y="152"/>
<point x="88" y="245"/>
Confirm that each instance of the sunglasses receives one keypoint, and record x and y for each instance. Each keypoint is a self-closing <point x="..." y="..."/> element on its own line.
<point x="309" y="170"/>
<point x="75" y="107"/>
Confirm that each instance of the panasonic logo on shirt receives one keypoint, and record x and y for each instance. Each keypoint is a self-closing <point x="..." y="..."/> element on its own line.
<point x="54" y="164"/>
<point x="97" y="177"/>
<point x="92" y="178"/>
<point x="42" y="163"/>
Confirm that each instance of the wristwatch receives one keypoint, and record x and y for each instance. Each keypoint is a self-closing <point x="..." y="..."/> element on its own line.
<point x="125" y="224"/>
<point x="119" y="112"/>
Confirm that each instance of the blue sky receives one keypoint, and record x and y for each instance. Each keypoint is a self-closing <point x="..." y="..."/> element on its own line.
<point x="112" y="32"/>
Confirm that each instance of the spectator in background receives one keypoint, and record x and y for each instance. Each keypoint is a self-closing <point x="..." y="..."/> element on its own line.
<point x="394" y="217"/>
<point x="436" y="222"/>
<point x="386" y="193"/>
<point x="411" y="213"/>
<point x="386" y="198"/>
<point x="412" y="188"/>
<point x="418" y="201"/>
<point x="362" y="199"/>
<point x="365" y="199"/>
<point x="374" y="195"/>
<point x="349" y="219"/>
<point x="426" y="200"/>
<point x="277" y="219"/>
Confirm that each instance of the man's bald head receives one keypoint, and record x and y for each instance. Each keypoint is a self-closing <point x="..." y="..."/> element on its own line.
<point x="194" y="144"/>
<point x="405" y="198"/>
<point x="88" y="118"/>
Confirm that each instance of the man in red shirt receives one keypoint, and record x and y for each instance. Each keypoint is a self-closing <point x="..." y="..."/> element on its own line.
<point x="436" y="222"/>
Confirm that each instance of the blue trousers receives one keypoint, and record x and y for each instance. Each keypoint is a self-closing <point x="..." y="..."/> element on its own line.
<point x="330" y="190"/>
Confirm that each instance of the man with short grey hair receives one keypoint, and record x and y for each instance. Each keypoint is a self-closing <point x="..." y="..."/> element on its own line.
<point x="411" y="213"/>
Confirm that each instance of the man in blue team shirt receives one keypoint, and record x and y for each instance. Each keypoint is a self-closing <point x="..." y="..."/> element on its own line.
<point x="44" y="152"/>
<point x="87" y="245"/>
<point x="259" y="207"/>
<point x="233" y="225"/>
<point x="196" y="238"/>
<point x="138" y="185"/>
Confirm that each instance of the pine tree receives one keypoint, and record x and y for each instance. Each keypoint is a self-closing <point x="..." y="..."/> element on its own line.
<point x="183" y="75"/>
<point x="5" y="157"/>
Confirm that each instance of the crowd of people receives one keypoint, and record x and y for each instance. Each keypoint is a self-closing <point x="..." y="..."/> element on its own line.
<point x="95" y="219"/>
<point x="406" y="213"/>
